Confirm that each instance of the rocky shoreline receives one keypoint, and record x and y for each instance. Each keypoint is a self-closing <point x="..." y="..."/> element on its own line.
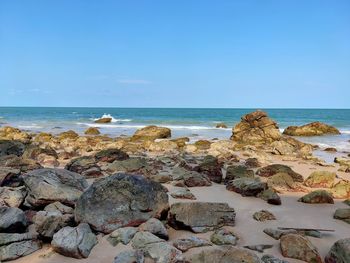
<point x="153" y="198"/>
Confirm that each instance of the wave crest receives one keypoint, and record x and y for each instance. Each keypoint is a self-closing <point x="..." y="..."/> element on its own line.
<point x="106" y="115"/>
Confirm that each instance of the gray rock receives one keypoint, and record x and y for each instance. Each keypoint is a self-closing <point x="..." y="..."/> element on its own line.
<point x="201" y="216"/>
<point x="12" y="196"/>
<point x="8" y="147"/>
<point x="132" y="200"/>
<point x="47" y="185"/>
<point x="85" y="165"/>
<point x="247" y="186"/>
<point x="111" y="155"/>
<point x="211" y="167"/>
<point x="182" y="193"/>
<point x="123" y="235"/>
<point x="277" y="234"/>
<point x="8" y="238"/>
<point x="187" y="243"/>
<point x="155" y="227"/>
<point x="223" y="254"/>
<point x="9" y="176"/>
<point x="130" y="256"/>
<point x="237" y="171"/>
<point x="12" y="220"/>
<point x="270" y="196"/>
<point x="190" y="178"/>
<point x="48" y="223"/>
<point x="59" y="207"/>
<point x="339" y="252"/>
<point x="76" y="242"/>
<point x="224" y="237"/>
<point x="273" y="169"/>
<point x="272" y="259"/>
<point x="19" y="249"/>
<point x="155" y="248"/>
<point x="342" y="214"/>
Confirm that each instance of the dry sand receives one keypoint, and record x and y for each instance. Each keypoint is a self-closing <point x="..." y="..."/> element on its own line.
<point x="290" y="214"/>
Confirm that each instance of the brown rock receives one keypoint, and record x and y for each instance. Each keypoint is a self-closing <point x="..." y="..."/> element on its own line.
<point x="311" y="129"/>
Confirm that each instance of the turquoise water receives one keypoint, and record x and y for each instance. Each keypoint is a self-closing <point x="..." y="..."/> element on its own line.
<point x="195" y="123"/>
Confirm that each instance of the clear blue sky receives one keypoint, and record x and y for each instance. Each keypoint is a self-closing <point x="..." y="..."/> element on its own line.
<point x="182" y="53"/>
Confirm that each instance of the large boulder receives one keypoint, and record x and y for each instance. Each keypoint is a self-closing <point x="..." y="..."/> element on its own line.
<point x="341" y="189"/>
<point x="132" y="200"/>
<point x="104" y="120"/>
<point x="47" y="185"/>
<point x="201" y="216"/>
<point x="237" y="171"/>
<point x="342" y="214"/>
<point x="281" y="182"/>
<point x="152" y="133"/>
<point x="223" y="254"/>
<point x="299" y="247"/>
<point x="190" y="178"/>
<point x="92" y="131"/>
<point x="22" y="164"/>
<point x="311" y="129"/>
<point x="339" y="252"/>
<point x="12" y="196"/>
<point x="76" y="242"/>
<point x="255" y="128"/>
<point x="273" y="169"/>
<point x="9" y="176"/>
<point x="12" y="220"/>
<point x="320" y="179"/>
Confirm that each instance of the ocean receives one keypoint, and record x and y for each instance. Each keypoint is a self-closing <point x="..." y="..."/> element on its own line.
<point x="193" y="123"/>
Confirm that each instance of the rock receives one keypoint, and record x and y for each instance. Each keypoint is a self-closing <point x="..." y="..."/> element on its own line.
<point x="263" y="215"/>
<point x="22" y="164"/>
<point x="155" y="248"/>
<point x="255" y="128"/>
<point x="260" y="248"/>
<point x="223" y="254"/>
<point x="12" y="197"/>
<point x="317" y="197"/>
<point x="247" y="186"/>
<point x="281" y="182"/>
<point x="111" y="155"/>
<point x="190" y="178"/>
<point x="161" y="178"/>
<point x="75" y="242"/>
<point x="18" y="249"/>
<point x="272" y="259"/>
<point x="342" y="214"/>
<point x="182" y="193"/>
<point x="12" y="220"/>
<point x="211" y="167"/>
<point x="270" y="196"/>
<point x="341" y="189"/>
<point x="59" y="207"/>
<point x="130" y="256"/>
<point x="181" y="142"/>
<point x="342" y="161"/>
<point x="92" y="131"/>
<point x="155" y="227"/>
<point x="252" y="163"/>
<point x="202" y="144"/>
<point x="347" y="202"/>
<point x="320" y="179"/>
<point x="339" y="252"/>
<point x="277" y="233"/>
<point x="123" y="235"/>
<point x="221" y="125"/>
<point x="330" y="149"/>
<point x="86" y="166"/>
<point x="273" y="169"/>
<point x="9" y="176"/>
<point x="103" y="120"/>
<point x="35" y="152"/>
<point x="8" y="147"/>
<point x="130" y="165"/>
<point x="164" y="146"/>
<point x="298" y="247"/>
<point x="200" y="216"/>
<point x="223" y="237"/>
<point x="48" y="185"/>
<point x="48" y="223"/>
<point x="311" y="129"/>
<point x="187" y="243"/>
<point x="71" y="135"/>
<point x="237" y="171"/>
<point x="134" y="200"/>
<point x="152" y="133"/>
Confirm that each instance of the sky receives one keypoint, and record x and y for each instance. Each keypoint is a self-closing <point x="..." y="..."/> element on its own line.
<point x="183" y="53"/>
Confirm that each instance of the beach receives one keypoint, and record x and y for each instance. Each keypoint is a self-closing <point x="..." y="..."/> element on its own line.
<point x="162" y="155"/>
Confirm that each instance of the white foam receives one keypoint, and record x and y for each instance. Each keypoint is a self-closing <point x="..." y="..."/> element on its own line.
<point x="113" y="119"/>
<point x="345" y="132"/>
<point x="33" y="126"/>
